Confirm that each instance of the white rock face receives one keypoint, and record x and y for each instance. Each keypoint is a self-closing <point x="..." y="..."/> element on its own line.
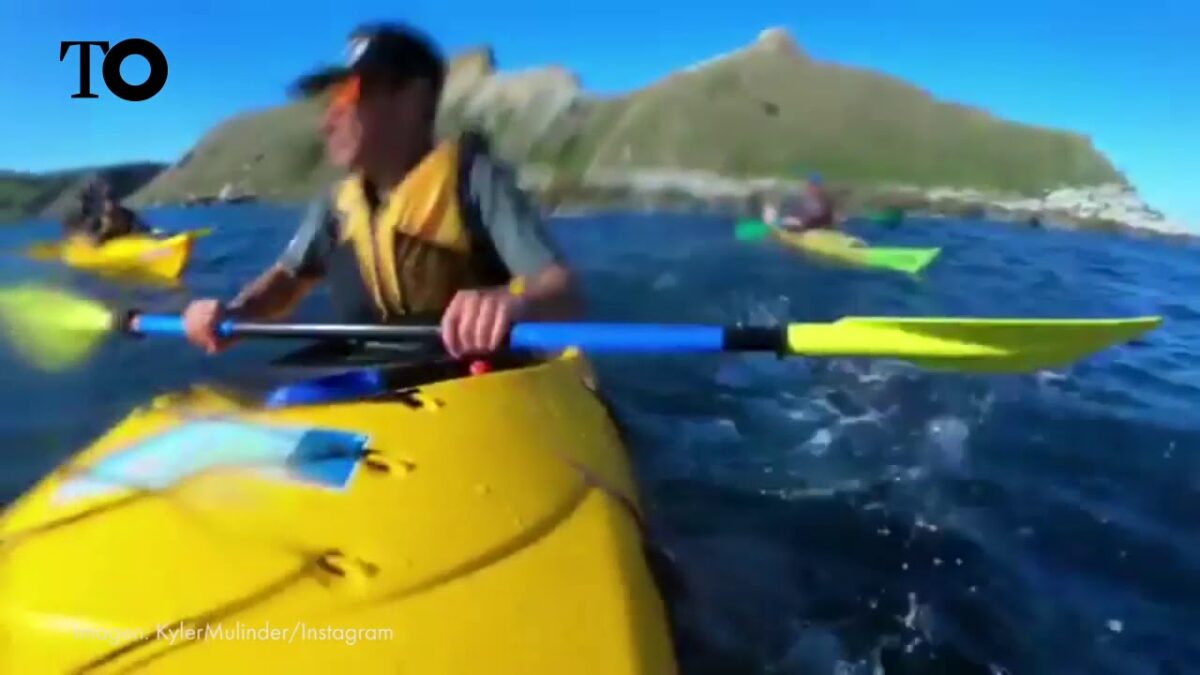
<point x="772" y="40"/>
<point x="701" y="184"/>
<point x="552" y="87"/>
<point x="1112" y="202"/>
<point x="779" y="40"/>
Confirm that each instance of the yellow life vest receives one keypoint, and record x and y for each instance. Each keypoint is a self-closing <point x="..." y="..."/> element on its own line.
<point x="416" y="252"/>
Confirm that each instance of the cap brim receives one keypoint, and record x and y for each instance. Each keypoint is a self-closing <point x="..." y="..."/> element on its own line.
<point x="318" y="82"/>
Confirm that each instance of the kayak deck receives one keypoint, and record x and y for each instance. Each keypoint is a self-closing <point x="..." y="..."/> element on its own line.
<point x="478" y="524"/>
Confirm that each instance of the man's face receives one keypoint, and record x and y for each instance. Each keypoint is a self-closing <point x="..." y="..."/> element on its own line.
<point x="341" y="127"/>
<point x="362" y="126"/>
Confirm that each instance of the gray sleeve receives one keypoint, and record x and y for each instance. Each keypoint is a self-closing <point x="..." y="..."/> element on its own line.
<point x="510" y="218"/>
<point x="316" y="238"/>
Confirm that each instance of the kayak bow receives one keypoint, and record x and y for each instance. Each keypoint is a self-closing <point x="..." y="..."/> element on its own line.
<point x="362" y="524"/>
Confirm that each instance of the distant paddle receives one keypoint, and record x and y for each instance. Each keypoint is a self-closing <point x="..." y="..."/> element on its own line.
<point x="52" y="250"/>
<point x="751" y="230"/>
<point x="55" y="330"/>
<point x="890" y="217"/>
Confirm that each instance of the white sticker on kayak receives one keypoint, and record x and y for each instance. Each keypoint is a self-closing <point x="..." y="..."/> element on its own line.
<point x="321" y="457"/>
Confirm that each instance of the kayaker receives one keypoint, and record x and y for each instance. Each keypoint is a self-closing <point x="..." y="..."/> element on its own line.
<point x="84" y="219"/>
<point x="100" y="217"/>
<point x="814" y="210"/>
<point x="79" y="224"/>
<point x="116" y="220"/>
<point x="417" y="228"/>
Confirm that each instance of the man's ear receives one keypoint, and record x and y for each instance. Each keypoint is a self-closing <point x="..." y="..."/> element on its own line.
<point x="421" y="94"/>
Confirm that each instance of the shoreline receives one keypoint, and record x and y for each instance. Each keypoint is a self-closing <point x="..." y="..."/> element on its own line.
<point x="1109" y="208"/>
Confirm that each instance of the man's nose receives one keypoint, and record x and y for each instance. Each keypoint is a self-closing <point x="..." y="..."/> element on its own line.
<point x="332" y="115"/>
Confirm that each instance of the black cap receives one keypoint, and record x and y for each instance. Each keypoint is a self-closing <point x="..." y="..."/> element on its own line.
<point x="381" y="53"/>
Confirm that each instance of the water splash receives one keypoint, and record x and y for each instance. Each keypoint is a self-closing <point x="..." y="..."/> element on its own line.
<point x="946" y="439"/>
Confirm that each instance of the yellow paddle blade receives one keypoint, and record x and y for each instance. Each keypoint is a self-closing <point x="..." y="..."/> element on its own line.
<point x="52" y="329"/>
<point x="968" y="345"/>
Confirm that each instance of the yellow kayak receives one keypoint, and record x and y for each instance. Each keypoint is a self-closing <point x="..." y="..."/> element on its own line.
<point x="839" y="247"/>
<point x="848" y="250"/>
<point x="462" y="525"/>
<point x="137" y="255"/>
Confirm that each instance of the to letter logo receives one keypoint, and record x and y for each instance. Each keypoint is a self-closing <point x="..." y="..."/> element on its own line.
<point x="111" y="68"/>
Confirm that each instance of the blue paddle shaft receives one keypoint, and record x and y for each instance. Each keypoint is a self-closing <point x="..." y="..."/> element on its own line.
<point x="618" y="337"/>
<point x="590" y="337"/>
<point x="172" y="326"/>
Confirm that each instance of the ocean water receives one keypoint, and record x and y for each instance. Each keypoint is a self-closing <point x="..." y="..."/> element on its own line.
<point x="832" y="515"/>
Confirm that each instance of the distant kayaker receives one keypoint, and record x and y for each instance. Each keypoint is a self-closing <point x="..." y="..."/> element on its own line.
<point x="100" y="217"/>
<point x="116" y="220"/>
<point x="79" y="223"/>
<point x="418" y="228"/>
<point x="84" y="219"/>
<point x="814" y="210"/>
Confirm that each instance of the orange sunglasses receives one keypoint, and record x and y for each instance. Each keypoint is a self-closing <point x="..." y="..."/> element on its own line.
<point x="346" y="93"/>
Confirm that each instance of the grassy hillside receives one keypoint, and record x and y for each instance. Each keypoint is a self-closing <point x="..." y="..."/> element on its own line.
<point x="762" y="112"/>
<point x="22" y="194"/>
<point x="274" y="153"/>
<point x="766" y="110"/>
<point x="26" y="195"/>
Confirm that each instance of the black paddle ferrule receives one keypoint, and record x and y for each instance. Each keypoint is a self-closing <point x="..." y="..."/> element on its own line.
<point x="123" y="322"/>
<point x="757" y="339"/>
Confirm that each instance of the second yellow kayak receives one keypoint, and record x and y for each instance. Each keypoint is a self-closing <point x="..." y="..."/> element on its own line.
<point x="842" y="248"/>
<point x="484" y="524"/>
<point x="163" y="258"/>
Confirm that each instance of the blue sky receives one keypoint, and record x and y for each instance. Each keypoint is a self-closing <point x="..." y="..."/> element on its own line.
<point x="1127" y="74"/>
